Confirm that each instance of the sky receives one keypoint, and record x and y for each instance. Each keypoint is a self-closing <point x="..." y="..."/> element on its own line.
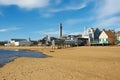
<point x="38" y="18"/>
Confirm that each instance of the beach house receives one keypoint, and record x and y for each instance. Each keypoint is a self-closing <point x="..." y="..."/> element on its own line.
<point x="117" y="37"/>
<point x="92" y="34"/>
<point x="107" y="37"/>
<point x="19" y="42"/>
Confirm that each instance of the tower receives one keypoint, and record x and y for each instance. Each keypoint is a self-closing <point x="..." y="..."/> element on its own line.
<point x="60" y="30"/>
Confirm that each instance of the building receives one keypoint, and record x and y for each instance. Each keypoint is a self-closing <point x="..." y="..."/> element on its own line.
<point x="19" y="42"/>
<point x="118" y="37"/>
<point x="2" y="43"/>
<point x="47" y="41"/>
<point x="92" y="34"/>
<point x="74" y="40"/>
<point x="72" y="37"/>
<point x="107" y="37"/>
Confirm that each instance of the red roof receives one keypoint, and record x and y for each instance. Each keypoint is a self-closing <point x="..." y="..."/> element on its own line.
<point x="111" y="37"/>
<point x="110" y="34"/>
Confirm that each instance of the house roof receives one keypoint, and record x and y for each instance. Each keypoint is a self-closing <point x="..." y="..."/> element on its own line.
<point x="18" y="39"/>
<point x="110" y="34"/>
<point x="94" y="29"/>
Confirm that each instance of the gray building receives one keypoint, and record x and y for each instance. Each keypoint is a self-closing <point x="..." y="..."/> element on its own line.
<point x="19" y="42"/>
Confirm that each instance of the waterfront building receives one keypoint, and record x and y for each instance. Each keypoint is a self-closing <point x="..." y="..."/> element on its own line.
<point x="107" y="37"/>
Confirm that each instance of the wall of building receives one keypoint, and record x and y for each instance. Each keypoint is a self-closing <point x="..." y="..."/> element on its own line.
<point x="20" y="43"/>
<point x="14" y="43"/>
<point x="103" y="38"/>
<point x="24" y="43"/>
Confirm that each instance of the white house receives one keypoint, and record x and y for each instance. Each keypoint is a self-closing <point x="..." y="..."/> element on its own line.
<point x="107" y="37"/>
<point x="92" y="34"/>
<point x="118" y="36"/>
<point x="88" y="33"/>
<point x="19" y="42"/>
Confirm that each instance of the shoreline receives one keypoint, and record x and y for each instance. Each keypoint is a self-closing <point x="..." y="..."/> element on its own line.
<point x="85" y="63"/>
<point x="7" y="59"/>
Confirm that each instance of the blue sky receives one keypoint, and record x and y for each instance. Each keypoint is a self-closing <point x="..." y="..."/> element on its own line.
<point x="38" y="18"/>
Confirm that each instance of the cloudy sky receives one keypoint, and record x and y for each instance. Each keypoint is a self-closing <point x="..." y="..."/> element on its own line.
<point x="38" y="18"/>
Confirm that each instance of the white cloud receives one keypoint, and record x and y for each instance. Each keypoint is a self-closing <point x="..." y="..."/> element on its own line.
<point x="9" y="29"/>
<point x="107" y="14"/>
<point x="70" y="7"/>
<point x="3" y="30"/>
<point x="110" y="21"/>
<point x="50" y="12"/>
<point x="27" y="4"/>
<point x="108" y="8"/>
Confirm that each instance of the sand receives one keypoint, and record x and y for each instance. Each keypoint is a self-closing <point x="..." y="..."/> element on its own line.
<point x="78" y="63"/>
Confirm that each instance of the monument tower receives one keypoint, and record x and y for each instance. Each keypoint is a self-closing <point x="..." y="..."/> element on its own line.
<point x="60" y="30"/>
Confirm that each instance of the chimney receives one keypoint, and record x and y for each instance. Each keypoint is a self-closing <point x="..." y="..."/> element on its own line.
<point x="60" y="30"/>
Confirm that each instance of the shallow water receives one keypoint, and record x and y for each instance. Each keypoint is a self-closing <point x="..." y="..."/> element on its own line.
<point x="9" y="55"/>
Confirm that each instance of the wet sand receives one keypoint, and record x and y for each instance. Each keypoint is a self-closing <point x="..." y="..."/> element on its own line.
<point x="79" y="63"/>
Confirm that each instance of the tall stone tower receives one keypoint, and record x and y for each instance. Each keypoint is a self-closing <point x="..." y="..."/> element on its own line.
<point x="60" y="30"/>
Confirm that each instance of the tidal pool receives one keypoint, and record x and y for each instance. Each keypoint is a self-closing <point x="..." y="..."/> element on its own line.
<point x="9" y="55"/>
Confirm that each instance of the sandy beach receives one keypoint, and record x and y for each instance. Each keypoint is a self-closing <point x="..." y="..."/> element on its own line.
<point x="78" y="63"/>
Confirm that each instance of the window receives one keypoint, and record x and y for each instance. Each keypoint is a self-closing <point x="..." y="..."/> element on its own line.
<point x="106" y="39"/>
<point x="89" y="31"/>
